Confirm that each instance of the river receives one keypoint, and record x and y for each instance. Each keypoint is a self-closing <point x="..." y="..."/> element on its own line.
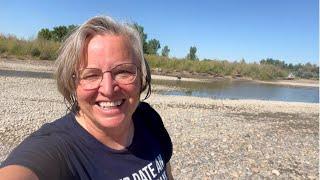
<point x="225" y="89"/>
<point x="228" y="89"/>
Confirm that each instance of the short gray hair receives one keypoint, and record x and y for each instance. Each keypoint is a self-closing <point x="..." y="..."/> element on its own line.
<point x="72" y="54"/>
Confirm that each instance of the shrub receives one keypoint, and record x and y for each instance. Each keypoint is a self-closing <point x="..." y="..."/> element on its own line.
<point x="48" y="55"/>
<point x="35" y="52"/>
<point x="3" y="48"/>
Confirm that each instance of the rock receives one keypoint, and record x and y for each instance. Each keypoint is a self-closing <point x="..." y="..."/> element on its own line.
<point x="220" y="139"/>
<point x="234" y="174"/>
<point x="275" y="172"/>
<point x="255" y="170"/>
<point x="312" y="177"/>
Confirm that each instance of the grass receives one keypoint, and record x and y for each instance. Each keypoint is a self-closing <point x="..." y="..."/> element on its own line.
<point x="47" y="50"/>
<point x="35" y="49"/>
<point x="218" y="68"/>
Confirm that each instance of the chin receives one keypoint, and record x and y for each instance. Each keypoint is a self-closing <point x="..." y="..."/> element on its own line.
<point x="111" y="122"/>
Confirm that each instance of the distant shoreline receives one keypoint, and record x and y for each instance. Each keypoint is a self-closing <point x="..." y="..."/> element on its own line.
<point x="48" y="66"/>
<point x="210" y="136"/>
<point x="297" y="83"/>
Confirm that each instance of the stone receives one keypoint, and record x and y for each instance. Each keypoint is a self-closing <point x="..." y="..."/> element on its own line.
<point x="275" y="172"/>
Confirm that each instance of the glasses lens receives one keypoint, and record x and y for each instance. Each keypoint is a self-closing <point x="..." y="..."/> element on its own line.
<point x="90" y="78"/>
<point x="124" y="73"/>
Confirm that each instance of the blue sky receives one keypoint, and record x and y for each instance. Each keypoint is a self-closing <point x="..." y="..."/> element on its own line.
<point x="220" y="29"/>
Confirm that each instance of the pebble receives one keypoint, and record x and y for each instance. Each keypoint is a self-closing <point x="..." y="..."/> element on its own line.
<point x="276" y="172"/>
<point x="212" y="139"/>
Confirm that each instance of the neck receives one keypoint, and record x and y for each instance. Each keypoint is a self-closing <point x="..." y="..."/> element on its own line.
<point x="118" y="138"/>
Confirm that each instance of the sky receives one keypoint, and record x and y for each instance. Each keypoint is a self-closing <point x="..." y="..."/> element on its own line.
<point x="230" y="30"/>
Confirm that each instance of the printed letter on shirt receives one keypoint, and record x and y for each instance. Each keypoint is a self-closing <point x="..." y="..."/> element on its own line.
<point x="148" y="171"/>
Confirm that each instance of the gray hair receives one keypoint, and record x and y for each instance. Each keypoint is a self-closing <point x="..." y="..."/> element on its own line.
<point x="72" y="54"/>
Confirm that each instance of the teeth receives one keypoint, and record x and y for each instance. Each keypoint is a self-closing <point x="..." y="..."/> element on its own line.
<point x="110" y="104"/>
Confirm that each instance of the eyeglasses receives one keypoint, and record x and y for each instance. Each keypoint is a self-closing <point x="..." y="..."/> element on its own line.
<point x="90" y="78"/>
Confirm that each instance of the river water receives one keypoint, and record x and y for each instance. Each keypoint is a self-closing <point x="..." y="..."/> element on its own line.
<point x="225" y="89"/>
<point x="228" y="89"/>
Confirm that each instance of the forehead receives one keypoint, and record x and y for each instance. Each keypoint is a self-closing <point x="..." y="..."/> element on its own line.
<point x="108" y="50"/>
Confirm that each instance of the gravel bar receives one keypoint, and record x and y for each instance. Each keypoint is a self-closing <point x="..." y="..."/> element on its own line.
<point x="213" y="139"/>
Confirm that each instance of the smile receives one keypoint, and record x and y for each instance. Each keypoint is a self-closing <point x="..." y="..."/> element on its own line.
<point x="110" y="104"/>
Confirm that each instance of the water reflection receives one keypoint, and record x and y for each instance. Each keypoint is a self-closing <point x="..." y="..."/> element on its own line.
<point x="227" y="89"/>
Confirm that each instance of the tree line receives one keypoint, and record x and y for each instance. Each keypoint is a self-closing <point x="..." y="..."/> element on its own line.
<point x="48" y="41"/>
<point x="306" y="71"/>
<point x="150" y="47"/>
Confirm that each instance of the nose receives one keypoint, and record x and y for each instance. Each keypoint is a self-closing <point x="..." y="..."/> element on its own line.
<point x="107" y="85"/>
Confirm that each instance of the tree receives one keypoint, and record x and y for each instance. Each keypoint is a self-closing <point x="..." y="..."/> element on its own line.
<point x="274" y="62"/>
<point x="153" y="46"/>
<point x="143" y="36"/>
<point x="242" y="61"/>
<point x="165" y="51"/>
<point x="59" y="33"/>
<point x="45" y="33"/>
<point x="192" y="54"/>
<point x="71" y="28"/>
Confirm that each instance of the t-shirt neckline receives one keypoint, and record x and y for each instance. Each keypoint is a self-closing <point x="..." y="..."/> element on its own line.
<point x="92" y="142"/>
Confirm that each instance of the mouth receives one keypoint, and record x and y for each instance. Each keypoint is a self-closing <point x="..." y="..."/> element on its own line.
<point x="110" y="104"/>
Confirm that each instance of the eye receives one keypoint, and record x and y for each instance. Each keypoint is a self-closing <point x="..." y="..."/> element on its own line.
<point x="90" y="74"/>
<point x="124" y="70"/>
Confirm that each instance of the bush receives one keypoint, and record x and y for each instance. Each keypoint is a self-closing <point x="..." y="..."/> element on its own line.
<point x="17" y="49"/>
<point x="47" y="55"/>
<point x="47" y="50"/>
<point x="35" y="52"/>
<point x="3" y="48"/>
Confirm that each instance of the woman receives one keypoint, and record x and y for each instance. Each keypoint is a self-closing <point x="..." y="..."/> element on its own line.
<point x="109" y="133"/>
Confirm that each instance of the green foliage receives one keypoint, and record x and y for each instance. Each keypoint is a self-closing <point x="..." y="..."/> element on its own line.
<point x="306" y="71"/>
<point x="58" y="33"/>
<point x="267" y="70"/>
<point x="39" y="48"/>
<point x="48" y="49"/>
<point x="143" y="36"/>
<point x="3" y="44"/>
<point x="35" y="52"/>
<point x="152" y="47"/>
<point x="149" y="47"/>
<point x="192" y="54"/>
<point x="274" y="62"/>
<point x="217" y="68"/>
<point x="165" y="51"/>
<point x="45" y="34"/>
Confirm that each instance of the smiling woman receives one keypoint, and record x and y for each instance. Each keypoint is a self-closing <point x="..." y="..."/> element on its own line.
<point x="108" y="133"/>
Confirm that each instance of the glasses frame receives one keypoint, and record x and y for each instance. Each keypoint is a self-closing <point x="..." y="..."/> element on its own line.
<point x="137" y="70"/>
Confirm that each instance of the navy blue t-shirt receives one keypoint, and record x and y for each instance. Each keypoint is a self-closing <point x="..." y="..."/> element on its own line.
<point x="64" y="150"/>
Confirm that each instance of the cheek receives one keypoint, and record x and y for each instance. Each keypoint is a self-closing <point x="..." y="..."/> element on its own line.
<point x="137" y="88"/>
<point x="133" y="91"/>
<point x="84" y="96"/>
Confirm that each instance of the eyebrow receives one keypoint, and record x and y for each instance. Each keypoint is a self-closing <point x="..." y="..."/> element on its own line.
<point x="113" y="66"/>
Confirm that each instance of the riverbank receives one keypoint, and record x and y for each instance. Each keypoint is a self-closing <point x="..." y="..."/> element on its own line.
<point x="295" y="82"/>
<point x="48" y="66"/>
<point x="212" y="139"/>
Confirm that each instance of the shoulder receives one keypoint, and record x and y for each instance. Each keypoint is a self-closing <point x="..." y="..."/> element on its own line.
<point x="42" y="152"/>
<point x="150" y="117"/>
<point x="61" y="125"/>
<point x="144" y="110"/>
<point x="143" y="106"/>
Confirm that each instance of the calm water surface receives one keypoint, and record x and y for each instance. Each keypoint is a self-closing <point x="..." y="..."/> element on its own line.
<point x="227" y="89"/>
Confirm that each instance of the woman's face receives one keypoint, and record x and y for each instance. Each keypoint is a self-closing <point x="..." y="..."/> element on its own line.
<point x="110" y="105"/>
